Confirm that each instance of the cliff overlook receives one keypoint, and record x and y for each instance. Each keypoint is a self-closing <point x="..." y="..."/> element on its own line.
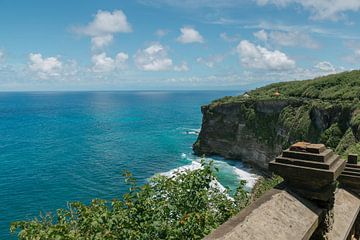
<point x="256" y="126"/>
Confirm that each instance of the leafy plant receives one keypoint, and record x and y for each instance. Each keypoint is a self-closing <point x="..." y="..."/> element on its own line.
<point x="184" y="206"/>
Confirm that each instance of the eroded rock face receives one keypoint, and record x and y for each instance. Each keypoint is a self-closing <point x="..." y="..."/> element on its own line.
<point x="256" y="131"/>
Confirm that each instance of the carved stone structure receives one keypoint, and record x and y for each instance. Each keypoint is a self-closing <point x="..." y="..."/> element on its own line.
<point x="309" y="169"/>
<point x="307" y="205"/>
<point x="350" y="177"/>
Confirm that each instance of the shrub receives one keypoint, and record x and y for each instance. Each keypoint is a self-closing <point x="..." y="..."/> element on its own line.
<point x="185" y="206"/>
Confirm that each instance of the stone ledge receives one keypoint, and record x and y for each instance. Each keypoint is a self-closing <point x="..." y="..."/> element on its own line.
<point x="281" y="214"/>
<point x="346" y="210"/>
<point x="278" y="214"/>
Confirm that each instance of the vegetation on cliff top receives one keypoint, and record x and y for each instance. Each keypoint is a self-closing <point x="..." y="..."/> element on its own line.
<point x="325" y="109"/>
<point x="337" y="87"/>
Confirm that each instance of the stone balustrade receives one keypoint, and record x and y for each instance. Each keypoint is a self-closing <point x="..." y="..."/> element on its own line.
<point x="309" y="204"/>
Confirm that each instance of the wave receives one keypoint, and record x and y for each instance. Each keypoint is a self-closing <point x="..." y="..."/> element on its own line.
<point x="230" y="172"/>
<point x="191" y="131"/>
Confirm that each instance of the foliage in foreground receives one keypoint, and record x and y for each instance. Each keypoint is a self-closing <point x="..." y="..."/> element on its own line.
<point x="264" y="184"/>
<point x="185" y="206"/>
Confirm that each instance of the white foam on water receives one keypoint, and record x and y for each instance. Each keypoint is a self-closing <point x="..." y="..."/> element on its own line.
<point x="249" y="177"/>
<point x="191" y="131"/>
<point x="236" y="173"/>
<point x="190" y="167"/>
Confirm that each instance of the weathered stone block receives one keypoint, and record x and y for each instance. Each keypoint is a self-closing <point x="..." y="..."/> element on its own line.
<point x="309" y="173"/>
<point x="352" y="158"/>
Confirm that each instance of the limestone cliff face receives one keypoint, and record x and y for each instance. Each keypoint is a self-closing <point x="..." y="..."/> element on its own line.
<point x="256" y="131"/>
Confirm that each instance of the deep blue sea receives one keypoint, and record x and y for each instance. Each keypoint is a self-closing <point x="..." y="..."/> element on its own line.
<point x="57" y="147"/>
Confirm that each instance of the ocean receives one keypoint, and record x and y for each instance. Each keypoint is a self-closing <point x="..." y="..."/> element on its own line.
<point x="57" y="147"/>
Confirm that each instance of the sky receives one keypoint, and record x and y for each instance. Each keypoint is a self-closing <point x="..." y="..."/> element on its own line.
<point x="173" y="45"/>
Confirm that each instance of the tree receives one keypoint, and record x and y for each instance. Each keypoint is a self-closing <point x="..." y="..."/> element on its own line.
<point x="187" y="205"/>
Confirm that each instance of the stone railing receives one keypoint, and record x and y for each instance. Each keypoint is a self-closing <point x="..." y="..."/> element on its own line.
<point x="309" y="204"/>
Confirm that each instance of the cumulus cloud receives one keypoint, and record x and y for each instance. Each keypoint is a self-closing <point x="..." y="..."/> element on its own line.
<point x="211" y="61"/>
<point x="261" y="35"/>
<point x="2" y="55"/>
<point x="227" y="38"/>
<point x="287" y="38"/>
<point x="153" y="58"/>
<point x="101" y="41"/>
<point x="190" y="35"/>
<point x="183" y="67"/>
<point x="44" y="67"/>
<point x="161" y="32"/>
<point x="325" y="66"/>
<point x="103" y="63"/>
<point x="320" y="9"/>
<point x="103" y="27"/>
<point x="194" y="4"/>
<point x="258" y="57"/>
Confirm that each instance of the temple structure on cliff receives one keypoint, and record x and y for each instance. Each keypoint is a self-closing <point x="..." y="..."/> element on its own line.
<point x="319" y="199"/>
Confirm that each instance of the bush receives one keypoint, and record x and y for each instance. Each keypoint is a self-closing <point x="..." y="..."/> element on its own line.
<point x="185" y="206"/>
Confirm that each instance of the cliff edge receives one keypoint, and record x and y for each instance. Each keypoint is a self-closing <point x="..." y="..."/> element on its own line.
<point x="256" y="126"/>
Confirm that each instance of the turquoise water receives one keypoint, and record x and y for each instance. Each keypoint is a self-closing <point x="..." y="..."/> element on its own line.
<point x="57" y="147"/>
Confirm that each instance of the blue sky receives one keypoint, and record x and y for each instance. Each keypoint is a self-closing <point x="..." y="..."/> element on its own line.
<point x="168" y="44"/>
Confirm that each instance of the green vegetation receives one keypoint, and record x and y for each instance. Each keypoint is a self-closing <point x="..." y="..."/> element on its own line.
<point x="324" y="110"/>
<point x="185" y="206"/>
<point x="331" y="136"/>
<point x="264" y="184"/>
<point x="335" y="87"/>
<point x="341" y="86"/>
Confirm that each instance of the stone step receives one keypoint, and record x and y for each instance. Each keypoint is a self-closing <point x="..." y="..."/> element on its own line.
<point x="351" y="180"/>
<point x="321" y="157"/>
<point x="352" y="169"/>
<point x="307" y="163"/>
<point x="351" y="173"/>
<point x="352" y="165"/>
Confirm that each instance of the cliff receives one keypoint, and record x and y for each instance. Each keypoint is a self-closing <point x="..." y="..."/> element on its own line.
<point x="256" y="126"/>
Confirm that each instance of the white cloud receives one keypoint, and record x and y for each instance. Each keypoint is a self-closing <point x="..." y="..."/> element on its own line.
<point x="195" y="4"/>
<point x="258" y="57"/>
<point x="293" y="39"/>
<point x="320" y="9"/>
<point x="153" y="58"/>
<point x="183" y="67"/>
<point x="287" y="38"/>
<point x="190" y="35"/>
<point x="261" y="35"/>
<point x="101" y="41"/>
<point x="44" y="67"/>
<point x="161" y="32"/>
<point x="104" y="26"/>
<point x="227" y="38"/>
<point x="325" y="67"/>
<point x="211" y="61"/>
<point x="2" y="55"/>
<point x="103" y="63"/>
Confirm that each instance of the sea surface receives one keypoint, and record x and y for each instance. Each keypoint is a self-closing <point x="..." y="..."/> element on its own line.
<point x="57" y="147"/>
